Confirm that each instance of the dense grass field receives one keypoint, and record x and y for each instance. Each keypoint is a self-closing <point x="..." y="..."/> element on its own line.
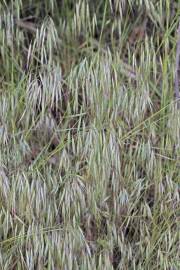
<point x="89" y="135"/>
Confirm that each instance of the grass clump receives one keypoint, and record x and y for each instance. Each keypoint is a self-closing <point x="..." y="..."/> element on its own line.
<point x="89" y="135"/>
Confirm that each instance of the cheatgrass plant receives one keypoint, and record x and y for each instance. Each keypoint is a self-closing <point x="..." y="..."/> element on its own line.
<point x="89" y="135"/>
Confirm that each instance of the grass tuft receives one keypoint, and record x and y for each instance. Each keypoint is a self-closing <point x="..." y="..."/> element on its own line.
<point x="89" y="135"/>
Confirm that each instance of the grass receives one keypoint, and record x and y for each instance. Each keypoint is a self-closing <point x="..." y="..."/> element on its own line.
<point x="89" y="135"/>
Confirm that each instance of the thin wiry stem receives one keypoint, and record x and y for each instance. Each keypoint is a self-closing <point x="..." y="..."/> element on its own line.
<point x="176" y="81"/>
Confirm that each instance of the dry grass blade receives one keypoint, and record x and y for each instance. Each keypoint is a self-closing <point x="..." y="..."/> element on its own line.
<point x="177" y="69"/>
<point x="26" y="25"/>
